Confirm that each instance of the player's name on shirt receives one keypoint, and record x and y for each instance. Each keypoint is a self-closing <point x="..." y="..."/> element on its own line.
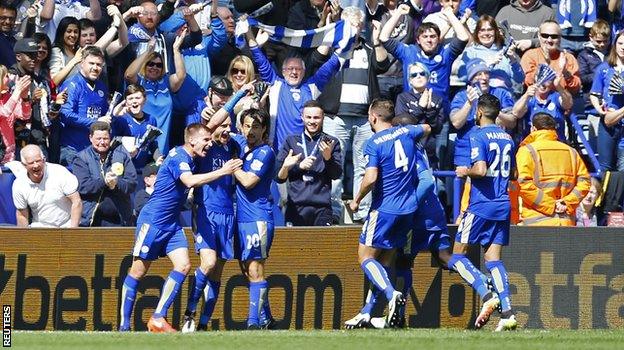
<point x="498" y="135"/>
<point x="389" y="137"/>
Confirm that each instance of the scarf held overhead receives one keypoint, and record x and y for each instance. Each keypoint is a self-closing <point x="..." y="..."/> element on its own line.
<point x="339" y="35"/>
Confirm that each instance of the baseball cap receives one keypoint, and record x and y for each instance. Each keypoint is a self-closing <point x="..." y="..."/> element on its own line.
<point x="150" y="169"/>
<point x="221" y="85"/>
<point x="25" y="46"/>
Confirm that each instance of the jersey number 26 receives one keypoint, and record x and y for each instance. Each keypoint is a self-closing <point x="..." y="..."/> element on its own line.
<point x="502" y="161"/>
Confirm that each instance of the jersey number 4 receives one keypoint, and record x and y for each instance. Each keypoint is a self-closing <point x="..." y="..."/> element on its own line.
<point x="400" y="159"/>
<point x="502" y="161"/>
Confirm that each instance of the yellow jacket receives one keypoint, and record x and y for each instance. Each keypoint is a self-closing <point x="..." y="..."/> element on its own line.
<point x="549" y="170"/>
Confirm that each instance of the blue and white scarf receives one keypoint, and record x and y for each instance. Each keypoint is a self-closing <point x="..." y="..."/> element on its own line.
<point x="588" y="10"/>
<point x="340" y="35"/>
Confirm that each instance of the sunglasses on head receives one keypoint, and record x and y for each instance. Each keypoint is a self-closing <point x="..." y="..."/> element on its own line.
<point x="154" y="64"/>
<point x="237" y="71"/>
<point x="551" y="36"/>
<point x="417" y="74"/>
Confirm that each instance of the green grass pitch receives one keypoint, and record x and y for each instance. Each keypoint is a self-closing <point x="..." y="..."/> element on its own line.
<point x="429" y="339"/>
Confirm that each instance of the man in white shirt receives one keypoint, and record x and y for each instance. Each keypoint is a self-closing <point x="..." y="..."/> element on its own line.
<point x="49" y="190"/>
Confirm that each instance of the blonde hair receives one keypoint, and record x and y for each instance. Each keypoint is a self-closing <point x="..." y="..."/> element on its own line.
<point x="250" y="71"/>
<point x="150" y="57"/>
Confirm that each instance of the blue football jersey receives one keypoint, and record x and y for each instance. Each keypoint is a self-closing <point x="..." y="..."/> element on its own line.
<point x="164" y="205"/>
<point x="218" y="195"/>
<point x="256" y="204"/>
<point x="488" y="195"/>
<point x="393" y="152"/>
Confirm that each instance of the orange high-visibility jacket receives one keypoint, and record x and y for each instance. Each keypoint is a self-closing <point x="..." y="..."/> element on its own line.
<point x="549" y="170"/>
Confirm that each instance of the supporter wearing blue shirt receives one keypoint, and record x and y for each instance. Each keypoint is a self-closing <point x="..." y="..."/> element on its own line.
<point x="550" y="98"/>
<point x="148" y="70"/>
<point x="254" y="205"/>
<point x="86" y="103"/>
<point x="159" y="232"/>
<point x="463" y="108"/>
<point x="428" y="50"/>
<point x="486" y="221"/>
<point x="134" y="123"/>
<point x="391" y="175"/>
<point x="288" y="94"/>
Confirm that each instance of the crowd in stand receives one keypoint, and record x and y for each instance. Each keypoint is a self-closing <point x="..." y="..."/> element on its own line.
<point x="105" y="88"/>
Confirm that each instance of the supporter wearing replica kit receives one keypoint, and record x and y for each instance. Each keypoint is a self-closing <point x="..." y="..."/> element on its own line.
<point x="486" y="221"/>
<point x="159" y="232"/>
<point x="391" y="175"/>
<point x="254" y="212"/>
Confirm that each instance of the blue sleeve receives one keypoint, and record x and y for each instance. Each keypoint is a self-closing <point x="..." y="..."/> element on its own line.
<point x="178" y="166"/>
<point x="453" y="49"/>
<point x="396" y="49"/>
<point x="517" y="74"/>
<point x="326" y="72"/>
<point x="416" y="132"/>
<point x="459" y="100"/>
<point x="265" y="69"/>
<point x="478" y="149"/>
<point x="370" y="154"/>
<point x="507" y="101"/>
<point x="467" y="4"/>
<point x="262" y="162"/>
<point x="218" y="36"/>
<point x="69" y="110"/>
<point x="88" y="183"/>
<point x="425" y="186"/>
<point x="597" y="87"/>
<point x="173" y="23"/>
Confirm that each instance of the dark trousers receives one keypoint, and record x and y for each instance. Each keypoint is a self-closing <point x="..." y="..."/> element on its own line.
<point x="299" y="215"/>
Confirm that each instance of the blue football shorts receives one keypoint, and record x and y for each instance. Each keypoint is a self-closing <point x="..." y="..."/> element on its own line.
<point x="151" y="243"/>
<point x="386" y="231"/>
<point x="254" y="240"/>
<point x="474" y="229"/>
<point x="215" y="231"/>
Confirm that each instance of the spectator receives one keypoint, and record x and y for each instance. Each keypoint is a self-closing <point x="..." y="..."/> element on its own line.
<point x="610" y="106"/>
<point x="13" y="105"/>
<point x="86" y="103"/>
<point x="551" y="54"/>
<point x="422" y="104"/>
<point x="150" y="172"/>
<point x="522" y="19"/>
<point x="309" y="161"/>
<point x="575" y="22"/>
<point x="219" y="92"/>
<point x="48" y="191"/>
<point x="552" y="176"/>
<point x="593" y="54"/>
<point x="221" y="62"/>
<point x="288" y="94"/>
<point x="428" y="50"/>
<point x="7" y="34"/>
<point x="444" y="24"/>
<point x="65" y="53"/>
<point x="345" y="101"/>
<point x="51" y="16"/>
<point x="551" y="98"/>
<point x="311" y="14"/>
<point x="149" y="71"/>
<point x="106" y="179"/>
<point x="586" y="211"/>
<point x="489" y="45"/>
<point x="133" y="122"/>
<point x="144" y="35"/>
<point x="241" y="72"/>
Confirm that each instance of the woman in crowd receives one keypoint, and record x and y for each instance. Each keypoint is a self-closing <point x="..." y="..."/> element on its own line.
<point x="148" y="71"/>
<point x="610" y="107"/>
<point x="65" y="53"/>
<point x="489" y="45"/>
<point x="13" y="105"/>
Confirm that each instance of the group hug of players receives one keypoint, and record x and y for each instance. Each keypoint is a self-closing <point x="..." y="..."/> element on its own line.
<point x="406" y="216"/>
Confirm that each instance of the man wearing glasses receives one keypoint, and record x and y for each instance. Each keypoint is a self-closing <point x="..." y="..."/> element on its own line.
<point x="550" y="53"/>
<point x="7" y="38"/>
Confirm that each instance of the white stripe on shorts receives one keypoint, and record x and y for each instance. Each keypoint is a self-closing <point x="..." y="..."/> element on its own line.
<point x="466" y="226"/>
<point x="262" y="232"/>
<point x="139" y="240"/>
<point x="371" y="225"/>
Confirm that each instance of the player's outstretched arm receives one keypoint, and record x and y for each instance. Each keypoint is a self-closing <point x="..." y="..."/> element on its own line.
<point x="193" y="180"/>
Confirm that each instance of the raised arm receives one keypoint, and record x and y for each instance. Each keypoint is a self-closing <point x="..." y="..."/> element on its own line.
<point x="176" y="80"/>
<point x="193" y="180"/>
<point x="387" y="29"/>
<point x="95" y="12"/>
<point x="132" y="72"/>
<point x="122" y="38"/>
<point x="520" y="107"/>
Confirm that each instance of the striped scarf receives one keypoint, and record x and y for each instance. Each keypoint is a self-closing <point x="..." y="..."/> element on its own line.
<point x="588" y="10"/>
<point x="339" y="35"/>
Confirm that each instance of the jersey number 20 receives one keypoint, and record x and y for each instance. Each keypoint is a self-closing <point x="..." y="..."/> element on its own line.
<point x="502" y="161"/>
